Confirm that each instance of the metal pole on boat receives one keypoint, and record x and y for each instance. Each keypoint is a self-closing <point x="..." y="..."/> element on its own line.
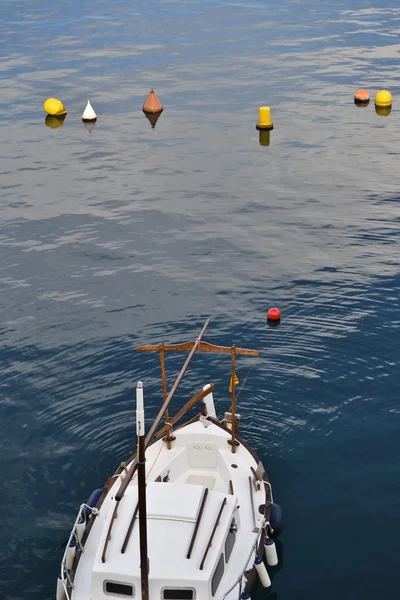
<point x="144" y="566"/>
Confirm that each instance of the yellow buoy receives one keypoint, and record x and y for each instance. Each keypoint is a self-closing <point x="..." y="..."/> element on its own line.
<point x="383" y="98"/>
<point x="54" y="107"/>
<point x="265" y="118"/>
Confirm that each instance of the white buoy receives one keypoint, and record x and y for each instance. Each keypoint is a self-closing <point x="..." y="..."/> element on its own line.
<point x="262" y="572"/>
<point x="88" y="113"/>
<point x="270" y="552"/>
<point x="69" y="559"/>
<point x="60" y="594"/>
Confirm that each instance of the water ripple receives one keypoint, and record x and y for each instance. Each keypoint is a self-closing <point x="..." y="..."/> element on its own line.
<point x="127" y="235"/>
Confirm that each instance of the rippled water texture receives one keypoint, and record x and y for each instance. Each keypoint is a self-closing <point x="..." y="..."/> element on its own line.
<point x="127" y="235"/>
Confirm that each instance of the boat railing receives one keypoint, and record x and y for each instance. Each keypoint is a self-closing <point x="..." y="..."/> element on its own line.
<point x="74" y="539"/>
<point x="253" y="550"/>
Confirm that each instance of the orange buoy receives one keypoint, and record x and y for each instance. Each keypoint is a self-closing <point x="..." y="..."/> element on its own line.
<point x="274" y="314"/>
<point x="152" y="104"/>
<point x="361" y="97"/>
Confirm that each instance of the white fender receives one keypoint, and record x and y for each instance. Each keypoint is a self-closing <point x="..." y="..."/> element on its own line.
<point x="271" y="555"/>
<point x="69" y="559"/>
<point x="60" y="594"/>
<point x="262" y="572"/>
<point x="80" y="530"/>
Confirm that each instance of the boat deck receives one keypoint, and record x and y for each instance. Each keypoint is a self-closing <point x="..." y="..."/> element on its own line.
<point x="200" y="458"/>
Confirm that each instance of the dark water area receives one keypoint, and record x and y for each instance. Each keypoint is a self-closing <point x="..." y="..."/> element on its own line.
<point x="128" y="235"/>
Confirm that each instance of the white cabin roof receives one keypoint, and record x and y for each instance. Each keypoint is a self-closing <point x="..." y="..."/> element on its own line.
<point x="172" y="510"/>
<point x="200" y="457"/>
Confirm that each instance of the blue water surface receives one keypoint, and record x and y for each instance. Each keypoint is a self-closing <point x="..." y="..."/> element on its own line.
<point x="122" y="234"/>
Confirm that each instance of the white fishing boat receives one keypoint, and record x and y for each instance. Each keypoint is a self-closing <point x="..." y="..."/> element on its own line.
<point x="189" y="517"/>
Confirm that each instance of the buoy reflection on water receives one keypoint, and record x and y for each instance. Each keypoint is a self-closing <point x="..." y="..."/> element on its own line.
<point x="54" y="121"/>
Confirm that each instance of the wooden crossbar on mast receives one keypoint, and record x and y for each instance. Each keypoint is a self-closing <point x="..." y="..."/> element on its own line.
<point x="202" y="347"/>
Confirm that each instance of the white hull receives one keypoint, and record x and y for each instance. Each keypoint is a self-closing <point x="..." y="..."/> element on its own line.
<point x="200" y="458"/>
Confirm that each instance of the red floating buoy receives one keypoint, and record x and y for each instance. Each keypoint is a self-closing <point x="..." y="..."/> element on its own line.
<point x="274" y="314"/>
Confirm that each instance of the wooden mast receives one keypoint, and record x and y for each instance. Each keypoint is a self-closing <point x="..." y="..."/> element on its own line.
<point x="233" y="441"/>
<point x="165" y="394"/>
<point x="201" y="347"/>
<point x="144" y="565"/>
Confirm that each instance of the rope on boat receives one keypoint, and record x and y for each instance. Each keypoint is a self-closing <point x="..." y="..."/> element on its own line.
<point x="155" y="460"/>
<point x="94" y="511"/>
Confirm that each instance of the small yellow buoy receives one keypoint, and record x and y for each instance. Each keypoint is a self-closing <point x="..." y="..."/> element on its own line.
<point x="265" y="118"/>
<point x="54" y="107"/>
<point x="383" y="98"/>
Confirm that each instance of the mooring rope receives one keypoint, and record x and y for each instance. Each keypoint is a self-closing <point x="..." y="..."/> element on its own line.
<point x="283" y="311"/>
<point x="29" y="573"/>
